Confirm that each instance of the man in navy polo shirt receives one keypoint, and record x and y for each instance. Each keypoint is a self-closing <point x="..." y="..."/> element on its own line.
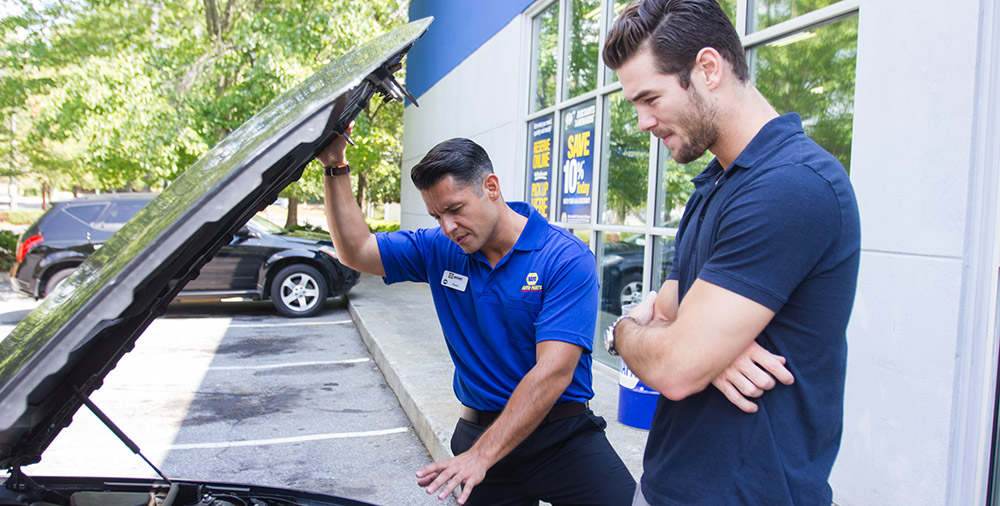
<point x="767" y="252"/>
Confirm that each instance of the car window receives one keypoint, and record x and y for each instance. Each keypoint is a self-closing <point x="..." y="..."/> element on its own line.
<point x="121" y="212"/>
<point x="264" y="225"/>
<point x="85" y="213"/>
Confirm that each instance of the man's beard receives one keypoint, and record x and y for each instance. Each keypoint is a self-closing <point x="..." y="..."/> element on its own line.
<point x="698" y="124"/>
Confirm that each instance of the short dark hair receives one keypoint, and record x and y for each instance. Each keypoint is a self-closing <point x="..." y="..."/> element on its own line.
<point x="460" y="158"/>
<point x="675" y="31"/>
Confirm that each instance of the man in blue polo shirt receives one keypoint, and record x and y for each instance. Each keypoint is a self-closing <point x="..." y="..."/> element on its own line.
<point x="767" y="252"/>
<point x="517" y="301"/>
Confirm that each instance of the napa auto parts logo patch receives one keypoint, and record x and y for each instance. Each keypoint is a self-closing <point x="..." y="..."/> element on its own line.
<point x="532" y="283"/>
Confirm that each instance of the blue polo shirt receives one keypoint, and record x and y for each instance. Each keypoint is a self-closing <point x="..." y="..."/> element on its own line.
<point x="780" y="227"/>
<point x="545" y="288"/>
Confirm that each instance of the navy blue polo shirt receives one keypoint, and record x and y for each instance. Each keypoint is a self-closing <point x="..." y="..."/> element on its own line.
<point x="780" y="227"/>
<point x="545" y="288"/>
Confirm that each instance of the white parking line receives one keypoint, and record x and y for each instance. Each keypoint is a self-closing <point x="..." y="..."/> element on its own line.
<point x="293" y="364"/>
<point x="286" y="440"/>
<point x="289" y="324"/>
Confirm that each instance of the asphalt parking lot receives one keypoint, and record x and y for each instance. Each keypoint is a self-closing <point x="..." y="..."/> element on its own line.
<point x="236" y="393"/>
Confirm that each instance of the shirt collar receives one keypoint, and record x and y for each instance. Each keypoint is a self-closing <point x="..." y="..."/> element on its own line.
<point x="533" y="235"/>
<point x="761" y="146"/>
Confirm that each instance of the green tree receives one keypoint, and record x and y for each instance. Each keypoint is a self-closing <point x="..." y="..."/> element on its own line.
<point x="119" y="95"/>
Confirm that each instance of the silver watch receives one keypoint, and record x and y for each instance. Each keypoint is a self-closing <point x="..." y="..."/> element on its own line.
<point x="609" y="335"/>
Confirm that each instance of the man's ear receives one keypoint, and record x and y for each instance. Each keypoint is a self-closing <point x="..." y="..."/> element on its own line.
<point x="491" y="186"/>
<point x="708" y="67"/>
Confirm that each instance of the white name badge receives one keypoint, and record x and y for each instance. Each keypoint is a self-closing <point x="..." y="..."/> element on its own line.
<point x="454" y="281"/>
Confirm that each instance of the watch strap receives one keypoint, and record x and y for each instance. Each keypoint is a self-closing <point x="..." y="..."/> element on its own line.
<point x="337" y="170"/>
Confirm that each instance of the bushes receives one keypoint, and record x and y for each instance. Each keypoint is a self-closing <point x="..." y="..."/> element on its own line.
<point x="22" y="216"/>
<point x="8" y="242"/>
<point x="382" y="225"/>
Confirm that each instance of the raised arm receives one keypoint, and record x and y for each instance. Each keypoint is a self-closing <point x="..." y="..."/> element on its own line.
<point x="356" y="246"/>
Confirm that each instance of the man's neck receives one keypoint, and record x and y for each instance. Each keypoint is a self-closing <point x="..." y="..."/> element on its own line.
<point x="510" y="224"/>
<point x="739" y="122"/>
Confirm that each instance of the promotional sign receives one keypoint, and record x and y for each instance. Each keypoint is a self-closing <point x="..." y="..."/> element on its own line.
<point x="578" y="162"/>
<point x="540" y="162"/>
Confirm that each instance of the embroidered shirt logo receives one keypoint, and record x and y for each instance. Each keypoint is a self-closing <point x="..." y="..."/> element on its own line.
<point x="532" y="283"/>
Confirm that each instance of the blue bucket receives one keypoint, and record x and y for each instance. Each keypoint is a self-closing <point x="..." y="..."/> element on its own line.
<point x="636" y="401"/>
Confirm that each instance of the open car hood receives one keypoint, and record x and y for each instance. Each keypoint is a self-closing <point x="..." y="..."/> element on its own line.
<point x="62" y="351"/>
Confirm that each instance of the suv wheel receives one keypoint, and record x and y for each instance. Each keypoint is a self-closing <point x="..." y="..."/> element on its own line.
<point x="298" y="290"/>
<point x="631" y="292"/>
<point x="56" y="280"/>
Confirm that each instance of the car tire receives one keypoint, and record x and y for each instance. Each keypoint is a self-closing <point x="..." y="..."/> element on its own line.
<point x="631" y="290"/>
<point x="55" y="280"/>
<point x="298" y="291"/>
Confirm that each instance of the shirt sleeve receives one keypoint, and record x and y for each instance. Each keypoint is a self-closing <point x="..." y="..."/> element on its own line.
<point x="569" y="307"/>
<point x="403" y="255"/>
<point x="773" y="235"/>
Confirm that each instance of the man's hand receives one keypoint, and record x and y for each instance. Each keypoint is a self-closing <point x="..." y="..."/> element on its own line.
<point x="750" y="375"/>
<point x="466" y="469"/>
<point x="335" y="154"/>
<point x="643" y="312"/>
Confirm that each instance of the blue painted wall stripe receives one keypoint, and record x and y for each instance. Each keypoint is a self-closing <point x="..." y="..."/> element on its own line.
<point x="460" y="27"/>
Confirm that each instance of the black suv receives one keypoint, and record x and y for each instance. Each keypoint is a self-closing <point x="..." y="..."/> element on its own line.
<point x="263" y="261"/>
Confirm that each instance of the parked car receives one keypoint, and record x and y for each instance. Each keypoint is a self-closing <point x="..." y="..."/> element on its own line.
<point x="61" y="352"/>
<point x="296" y="271"/>
<point x="621" y="271"/>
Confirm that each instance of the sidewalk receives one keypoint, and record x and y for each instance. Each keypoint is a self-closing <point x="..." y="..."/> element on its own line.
<point x="400" y="328"/>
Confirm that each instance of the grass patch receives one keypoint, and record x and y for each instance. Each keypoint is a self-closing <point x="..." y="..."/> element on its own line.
<point x="21" y="216"/>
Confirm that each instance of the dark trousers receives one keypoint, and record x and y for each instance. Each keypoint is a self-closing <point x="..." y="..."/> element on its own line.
<point x="565" y="462"/>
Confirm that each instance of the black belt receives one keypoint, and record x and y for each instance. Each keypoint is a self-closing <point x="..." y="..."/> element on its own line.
<point x="558" y="412"/>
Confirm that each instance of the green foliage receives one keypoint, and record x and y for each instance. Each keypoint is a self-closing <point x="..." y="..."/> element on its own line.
<point x="8" y="242"/>
<point x="23" y="216"/>
<point x="382" y="225"/>
<point x="109" y="95"/>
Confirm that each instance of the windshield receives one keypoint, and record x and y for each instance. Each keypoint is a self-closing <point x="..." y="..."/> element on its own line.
<point x="265" y="226"/>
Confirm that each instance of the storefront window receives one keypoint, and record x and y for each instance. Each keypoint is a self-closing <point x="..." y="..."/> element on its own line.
<point x="626" y="156"/>
<point x="812" y="73"/>
<point x="582" y="47"/>
<point x="578" y="147"/>
<point x="764" y="13"/>
<point x="663" y="260"/>
<point x="541" y="153"/>
<point x="619" y="259"/>
<point x="545" y="64"/>
<point x="675" y="186"/>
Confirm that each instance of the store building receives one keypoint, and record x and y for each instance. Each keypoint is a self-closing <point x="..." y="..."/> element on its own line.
<point x="903" y="92"/>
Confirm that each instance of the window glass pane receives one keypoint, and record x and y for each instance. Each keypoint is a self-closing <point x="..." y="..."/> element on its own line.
<point x="626" y="156"/>
<point x="86" y="213"/>
<point x="812" y="73"/>
<point x="674" y="186"/>
<point x="543" y="73"/>
<point x="541" y="153"/>
<point x="619" y="261"/>
<point x="577" y="157"/>
<point x="612" y="76"/>
<point x="764" y="13"/>
<point x="663" y="260"/>
<point x="582" y="40"/>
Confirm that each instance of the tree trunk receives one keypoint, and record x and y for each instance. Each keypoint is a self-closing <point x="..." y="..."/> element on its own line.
<point x="293" y="212"/>
<point x="45" y="195"/>
<point x="362" y="185"/>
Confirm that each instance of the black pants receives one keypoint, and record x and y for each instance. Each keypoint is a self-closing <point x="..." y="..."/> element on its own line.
<point x="565" y="462"/>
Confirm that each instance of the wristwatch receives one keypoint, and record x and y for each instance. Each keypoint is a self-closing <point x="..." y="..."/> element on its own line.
<point x="609" y="335"/>
<point x="337" y="170"/>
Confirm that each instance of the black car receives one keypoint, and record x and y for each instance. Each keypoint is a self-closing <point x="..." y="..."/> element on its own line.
<point x="60" y="353"/>
<point x="621" y="271"/>
<point x="297" y="272"/>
